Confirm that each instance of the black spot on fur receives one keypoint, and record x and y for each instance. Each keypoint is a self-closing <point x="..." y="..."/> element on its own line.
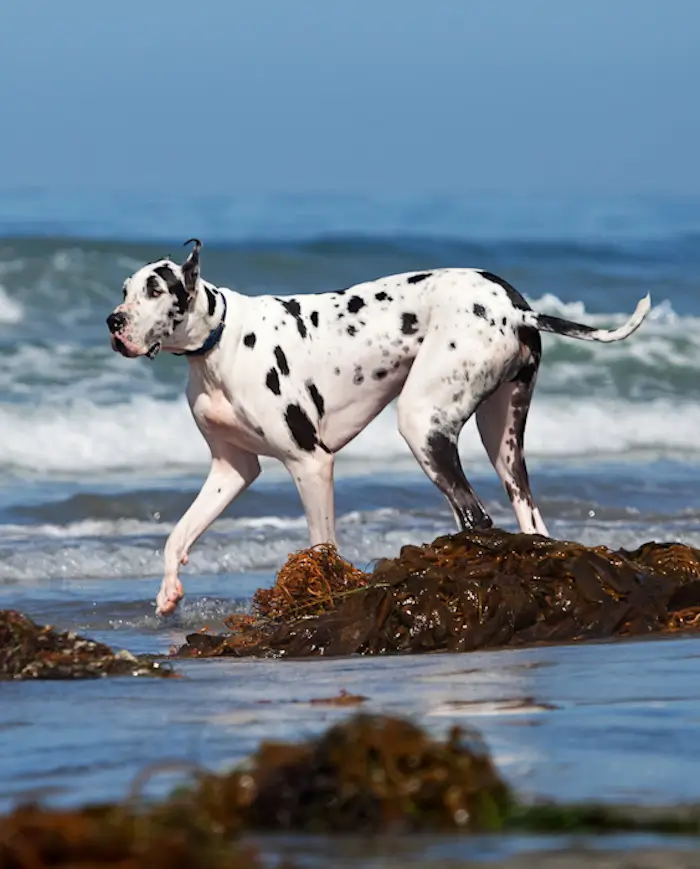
<point x="529" y="337"/>
<point x="317" y="399"/>
<point x="281" y="360"/>
<point x="444" y="458"/>
<point x="314" y="318"/>
<point x="516" y="300"/>
<point x="293" y="307"/>
<point x="337" y="370"/>
<point x="381" y="297"/>
<point x="352" y="330"/>
<point x="250" y="339"/>
<point x="358" y="377"/>
<point x="564" y="327"/>
<point x="175" y="286"/>
<point x="409" y="324"/>
<point x="211" y="301"/>
<point x="416" y="279"/>
<point x="380" y="373"/>
<point x="479" y="311"/>
<point x="301" y="428"/>
<point x="272" y="381"/>
<point x="355" y="304"/>
<point x="504" y="321"/>
<point x="452" y="345"/>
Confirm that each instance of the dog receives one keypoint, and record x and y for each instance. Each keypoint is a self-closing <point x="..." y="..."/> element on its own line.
<point x="297" y="378"/>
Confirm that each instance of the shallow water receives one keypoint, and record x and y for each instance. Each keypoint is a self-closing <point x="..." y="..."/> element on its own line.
<point x="616" y="722"/>
<point x="99" y="457"/>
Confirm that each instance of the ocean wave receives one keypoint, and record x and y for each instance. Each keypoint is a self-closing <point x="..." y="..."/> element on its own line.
<point x="126" y="550"/>
<point x="11" y="310"/>
<point x="151" y="434"/>
<point x="105" y="549"/>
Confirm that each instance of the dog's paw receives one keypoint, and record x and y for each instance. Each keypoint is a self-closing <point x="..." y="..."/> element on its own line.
<point x="168" y="598"/>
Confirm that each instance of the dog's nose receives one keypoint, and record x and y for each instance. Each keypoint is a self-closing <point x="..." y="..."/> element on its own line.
<point x="115" y="322"/>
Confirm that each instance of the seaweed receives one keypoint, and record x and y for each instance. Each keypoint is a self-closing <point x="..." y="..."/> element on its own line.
<point x="30" y="651"/>
<point x="462" y="592"/>
<point x="368" y="774"/>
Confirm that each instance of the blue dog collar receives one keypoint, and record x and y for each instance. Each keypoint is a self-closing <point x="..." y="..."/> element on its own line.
<point x="213" y="338"/>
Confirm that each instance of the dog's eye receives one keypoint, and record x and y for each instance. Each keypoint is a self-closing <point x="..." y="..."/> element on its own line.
<point x="153" y="290"/>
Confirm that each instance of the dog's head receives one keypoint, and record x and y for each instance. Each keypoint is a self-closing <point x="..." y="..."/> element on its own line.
<point x="156" y="300"/>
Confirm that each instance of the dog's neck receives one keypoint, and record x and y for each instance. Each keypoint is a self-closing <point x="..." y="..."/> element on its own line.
<point x="201" y="328"/>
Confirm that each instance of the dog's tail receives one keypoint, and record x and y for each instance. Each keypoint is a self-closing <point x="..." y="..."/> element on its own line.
<point x="545" y="323"/>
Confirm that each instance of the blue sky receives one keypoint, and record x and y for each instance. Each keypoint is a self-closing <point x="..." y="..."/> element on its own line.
<point x="341" y="95"/>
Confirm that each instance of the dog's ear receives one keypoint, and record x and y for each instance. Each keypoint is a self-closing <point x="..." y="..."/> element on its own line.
<point x="190" y="268"/>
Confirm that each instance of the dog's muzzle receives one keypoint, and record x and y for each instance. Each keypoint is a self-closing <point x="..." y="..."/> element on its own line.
<point x="116" y="323"/>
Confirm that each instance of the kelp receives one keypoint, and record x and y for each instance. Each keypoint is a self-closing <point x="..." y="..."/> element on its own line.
<point x="368" y="774"/>
<point x="462" y="592"/>
<point x="31" y="651"/>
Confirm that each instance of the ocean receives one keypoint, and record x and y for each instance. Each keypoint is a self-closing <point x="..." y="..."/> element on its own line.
<point x="99" y="455"/>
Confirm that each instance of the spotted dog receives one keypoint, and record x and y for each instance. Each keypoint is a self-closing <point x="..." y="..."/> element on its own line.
<point x="298" y="378"/>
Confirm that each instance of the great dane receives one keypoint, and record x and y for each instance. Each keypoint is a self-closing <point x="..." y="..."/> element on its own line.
<point x="297" y="378"/>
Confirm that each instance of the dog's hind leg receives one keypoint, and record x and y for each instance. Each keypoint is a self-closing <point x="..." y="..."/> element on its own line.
<point x="432" y="411"/>
<point x="231" y="472"/>
<point x="501" y="422"/>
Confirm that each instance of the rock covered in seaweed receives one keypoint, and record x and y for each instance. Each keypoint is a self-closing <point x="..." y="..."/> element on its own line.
<point x="30" y="651"/>
<point x="466" y="591"/>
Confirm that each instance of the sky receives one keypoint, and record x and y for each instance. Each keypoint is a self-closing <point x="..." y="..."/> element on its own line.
<point x="275" y="96"/>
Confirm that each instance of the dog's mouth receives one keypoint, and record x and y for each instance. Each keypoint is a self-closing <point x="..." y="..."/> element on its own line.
<point x="121" y="347"/>
<point x="127" y="350"/>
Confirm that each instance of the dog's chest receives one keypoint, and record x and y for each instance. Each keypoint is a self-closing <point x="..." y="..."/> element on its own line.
<point x="215" y="412"/>
<point x="213" y="409"/>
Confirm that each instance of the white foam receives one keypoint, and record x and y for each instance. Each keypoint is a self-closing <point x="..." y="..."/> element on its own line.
<point x="155" y="434"/>
<point x="11" y="310"/>
<point x="103" y="549"/>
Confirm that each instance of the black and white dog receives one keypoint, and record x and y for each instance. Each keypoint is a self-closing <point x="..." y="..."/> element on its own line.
<point x="298" y="378"/>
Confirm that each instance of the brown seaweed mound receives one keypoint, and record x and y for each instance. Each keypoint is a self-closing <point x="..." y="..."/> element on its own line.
<point x="30" y="651"/>
<point x="467" y="591"/>
<point x="115" y="835"/>
<point x="367" y="774"/>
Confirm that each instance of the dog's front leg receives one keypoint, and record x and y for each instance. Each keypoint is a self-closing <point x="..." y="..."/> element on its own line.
<point x="231" y="472"/>
<point x="313" y="476"/>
